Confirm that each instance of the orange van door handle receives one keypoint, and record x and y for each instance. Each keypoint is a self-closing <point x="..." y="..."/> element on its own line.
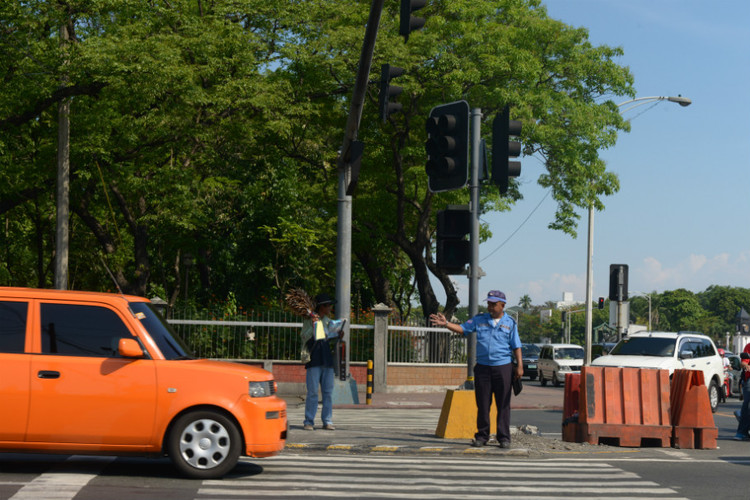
<point x="48" y="374"/>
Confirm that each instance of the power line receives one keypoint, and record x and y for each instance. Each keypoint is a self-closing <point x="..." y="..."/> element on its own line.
<point x="518" y="228"/>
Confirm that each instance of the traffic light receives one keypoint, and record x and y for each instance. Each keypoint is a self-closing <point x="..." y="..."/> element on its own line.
<point x="388" y="72"/>
<point x="601" y="302"/>
<point x="618" y="282"/>
<point x="453" y="251"/>
<point x="448" y="146"/>
<point x="409" y="23"/>
<point x="503" y="149"/>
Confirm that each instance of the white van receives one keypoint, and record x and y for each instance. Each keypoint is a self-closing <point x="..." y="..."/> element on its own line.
<point x="555" y="360"/>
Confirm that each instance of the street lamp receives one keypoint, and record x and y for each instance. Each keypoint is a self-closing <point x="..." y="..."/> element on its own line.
<point x="682" y="101"/>
<point x="641" y="294"/>
<point x="640" y="101"/>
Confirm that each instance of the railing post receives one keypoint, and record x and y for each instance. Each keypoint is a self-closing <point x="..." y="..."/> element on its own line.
<point x="380" y="347"/>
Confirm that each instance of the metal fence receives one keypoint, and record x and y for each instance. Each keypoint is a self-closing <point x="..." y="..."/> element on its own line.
<point x="275" y="336"/>
<point x="419" y="344"/>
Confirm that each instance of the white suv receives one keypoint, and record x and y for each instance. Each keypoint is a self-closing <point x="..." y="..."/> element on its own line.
<point x="555" y="360"/>
<point x="670" y="351"/>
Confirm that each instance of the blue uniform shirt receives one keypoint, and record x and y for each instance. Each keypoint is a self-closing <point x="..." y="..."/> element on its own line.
<point x="495" y="344"/>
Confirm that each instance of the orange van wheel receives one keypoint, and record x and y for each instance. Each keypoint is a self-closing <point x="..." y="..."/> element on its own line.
<point x="204" y="444"/>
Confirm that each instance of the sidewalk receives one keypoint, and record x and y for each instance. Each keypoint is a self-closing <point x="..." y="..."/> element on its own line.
<point x="406" y="423"/>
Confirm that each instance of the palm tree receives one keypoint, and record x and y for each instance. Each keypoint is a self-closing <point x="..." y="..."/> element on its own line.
<point x="525" y="302"/>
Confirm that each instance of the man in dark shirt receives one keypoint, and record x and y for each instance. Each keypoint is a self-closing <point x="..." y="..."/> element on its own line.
<point x="319" y="366"/>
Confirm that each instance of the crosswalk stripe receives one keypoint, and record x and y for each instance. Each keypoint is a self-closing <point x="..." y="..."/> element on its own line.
<point x="349" y="461"/>
<point x="376" y="418"/>
<point x="496" y="472"/>
<point x="61" y="483"/>
<point x="437" y="495"/>
<point x="417" y="478"/>
<point x="490" y="484"/>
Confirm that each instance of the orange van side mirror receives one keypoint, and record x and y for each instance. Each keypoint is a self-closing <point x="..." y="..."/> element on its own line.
<point x="130" y="348"/>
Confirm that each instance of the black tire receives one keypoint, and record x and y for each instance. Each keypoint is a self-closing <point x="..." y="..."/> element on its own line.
<point x="555" y="380"/>
<point x="542" y="380"/>
<point x="532" y="377"/>
<point x="714" y="395"/>
<point x="204" y="444"/>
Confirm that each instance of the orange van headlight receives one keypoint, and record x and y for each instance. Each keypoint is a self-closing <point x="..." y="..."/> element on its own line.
<point x="261" y="389"/>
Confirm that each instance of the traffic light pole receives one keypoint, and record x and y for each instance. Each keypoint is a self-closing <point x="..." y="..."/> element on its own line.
<point x="589" y="287"/>
<point x="471" y="346"/>
<point x="344" y="223"/>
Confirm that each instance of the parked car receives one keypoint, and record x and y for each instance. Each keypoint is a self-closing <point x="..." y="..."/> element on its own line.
<point x="670" y="351"/>
<point x="95" y="373"/>
<point x="556" y="360"/>
<point x="530" y="353"/>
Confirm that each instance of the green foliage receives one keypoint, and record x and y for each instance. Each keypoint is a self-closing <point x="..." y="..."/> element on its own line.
<point x="205" y="137"/>
<point x="525" y="302"/>
<point x="680" y="310"/>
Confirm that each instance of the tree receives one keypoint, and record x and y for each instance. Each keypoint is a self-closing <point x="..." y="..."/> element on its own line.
<point x="508" y="52"/>
<point x="680" y="310"/>
<point x="725" y="302"/>
<point x="525" y="302"/>
<point x="205" y="138"/>
<point x="176" y="151"/>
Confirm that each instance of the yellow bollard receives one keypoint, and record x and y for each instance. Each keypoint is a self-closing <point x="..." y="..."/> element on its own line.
<point x="368" y="398"/>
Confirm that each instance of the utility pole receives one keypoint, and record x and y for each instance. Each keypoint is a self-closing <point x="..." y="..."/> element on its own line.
<point x="62" y="229"/>
<point x="347" y="181"/>
<point x="471" y="346"/>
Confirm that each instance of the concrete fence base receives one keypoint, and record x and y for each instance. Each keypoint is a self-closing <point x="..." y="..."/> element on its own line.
<point x="422" y="377"/>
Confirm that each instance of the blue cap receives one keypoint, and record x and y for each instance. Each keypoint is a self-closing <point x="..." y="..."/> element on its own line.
<point x="496" y="296"/>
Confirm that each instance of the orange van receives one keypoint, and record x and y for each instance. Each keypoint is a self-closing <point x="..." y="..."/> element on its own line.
<point x="98" y="373"/>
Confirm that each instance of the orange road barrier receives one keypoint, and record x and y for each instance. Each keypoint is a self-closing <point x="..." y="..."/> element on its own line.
<point x="571" y="429"/>
<point x="692" y="420"/>
<point x="629" y="406"/>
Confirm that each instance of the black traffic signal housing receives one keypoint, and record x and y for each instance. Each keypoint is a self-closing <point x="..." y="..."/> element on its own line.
<point x="387" y="91"/>
<point x="504" y="148"/>
<point x="407" y="22"/>
<point x="453" y="251"/>
<point x="601" y="302"/>
<point x="448" y="146"/>
<point x="618" y="282"/>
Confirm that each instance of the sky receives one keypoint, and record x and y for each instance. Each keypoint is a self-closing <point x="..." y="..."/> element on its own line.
<point x="680" y="218"/>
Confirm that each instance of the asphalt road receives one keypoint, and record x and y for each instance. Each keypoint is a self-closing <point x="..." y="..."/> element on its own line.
<point x="390" y="451"/>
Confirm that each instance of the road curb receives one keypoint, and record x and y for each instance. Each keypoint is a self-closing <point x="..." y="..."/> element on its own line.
<point x="386" y="449"/>
<point x="428" y="407"/>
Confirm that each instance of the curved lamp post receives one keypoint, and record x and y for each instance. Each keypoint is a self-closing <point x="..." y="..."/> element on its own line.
<point x="647" y="296"/>
<point x="682" y="101"/>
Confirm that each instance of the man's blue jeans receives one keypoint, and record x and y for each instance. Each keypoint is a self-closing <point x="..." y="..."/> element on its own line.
<point x="319" y="376"/>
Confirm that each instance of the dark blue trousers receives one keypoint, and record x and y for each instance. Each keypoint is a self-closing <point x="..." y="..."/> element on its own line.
<point x="489" y="381"/>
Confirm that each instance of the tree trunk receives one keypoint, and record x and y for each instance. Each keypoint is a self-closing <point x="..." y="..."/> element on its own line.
<point x="381" y="286"/>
